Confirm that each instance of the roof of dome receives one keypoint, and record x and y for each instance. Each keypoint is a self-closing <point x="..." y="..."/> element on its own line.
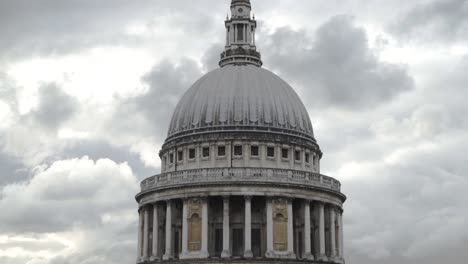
<point x="240" y="97"/>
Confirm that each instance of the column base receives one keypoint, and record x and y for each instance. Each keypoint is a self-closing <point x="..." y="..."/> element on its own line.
<point x="153" y="258"/>
<point x="334" y="259"/>
<point x="225" y="254"/>
<point x="248" y="254"/>
<point x="322" y="257"/>
<point x="280" y="255"/>
<point x="309" y="256"/>
<point x="168" y="257"/>
<point x="194" y="255"/>
<point x="339" y="260"/>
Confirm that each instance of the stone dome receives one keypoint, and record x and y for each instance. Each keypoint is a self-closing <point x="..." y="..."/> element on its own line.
<point x="241" y="98"/>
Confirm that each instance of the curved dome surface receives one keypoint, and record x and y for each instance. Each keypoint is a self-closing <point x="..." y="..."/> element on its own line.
<point x="240" y="97"/>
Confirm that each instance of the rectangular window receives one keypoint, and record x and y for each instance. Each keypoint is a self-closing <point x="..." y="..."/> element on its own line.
<point x="271" y="152"/>
<point x="284" y="153"/>
<point x="180" y="155"/>
<point x="307" y="157"/>
<point x="240" y="32"/>
<point x="254" y="151"/>
<point x="297" y="155"/>
<point x="221" y="151"/>
<point x="192" y="153"/>
<point x="206" y="152"/>
<point x="238" y="150"/>
<point x="171" y="158"/>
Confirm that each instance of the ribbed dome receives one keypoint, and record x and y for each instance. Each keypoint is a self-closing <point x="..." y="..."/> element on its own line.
<point x="240" y="97"/>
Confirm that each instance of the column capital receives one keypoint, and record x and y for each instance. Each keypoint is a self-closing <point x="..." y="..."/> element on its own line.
<point x="226" y="197"/>
<point x="248" y="197"/>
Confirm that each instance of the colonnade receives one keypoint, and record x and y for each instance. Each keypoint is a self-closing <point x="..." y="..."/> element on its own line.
<point x="323" y="230"/>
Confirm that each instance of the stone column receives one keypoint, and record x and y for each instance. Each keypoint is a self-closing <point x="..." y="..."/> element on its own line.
<point x="307" y="247"/>
<point x="290" y="230"/>
<point x="340" y="235"/>
<point x="321" y="218"/>
<point x="155" y="253"/>
<point x="168" y="253"/>
<point x="269" y="227"/>
<point x="140" y="235"/>
<point x="184" y="228"/>
<point x="332" y="234"/>
<point x="226" y="229"/>
<point x="204" y="245"/>
<point x="146" y="234"/>
<point x="248" y="227"/>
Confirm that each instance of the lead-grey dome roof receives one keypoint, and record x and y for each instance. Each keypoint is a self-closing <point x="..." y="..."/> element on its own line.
<point x="240" y="97"/>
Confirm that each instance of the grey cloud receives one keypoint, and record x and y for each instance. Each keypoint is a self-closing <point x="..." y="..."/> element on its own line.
<point x="100" y="149"/>
<point x="337" y="68"/>
<point x="59" y="197"/>
<point x="434" y="21"/>
<point x="8" y="92"/>
<point x="12" y="170"/>
<point x="210" y="59"/>
<point x="55" y="107"/>
<point x="153" y="110"/>
<point x="55" y="27"/>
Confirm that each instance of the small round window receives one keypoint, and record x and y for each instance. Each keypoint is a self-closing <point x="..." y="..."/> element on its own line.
<point x="240" y="10"/>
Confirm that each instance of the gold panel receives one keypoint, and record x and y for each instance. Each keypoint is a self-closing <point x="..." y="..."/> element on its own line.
<point x="194" y="225"/>
<point x="280" y="225"/>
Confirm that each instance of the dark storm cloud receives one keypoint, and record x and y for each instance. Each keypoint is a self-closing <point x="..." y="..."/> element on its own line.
<point x="166" y="83"/>
<point x="434" y="21"/>
<point x="336" y="68"/>
<point x="55" y="107"/>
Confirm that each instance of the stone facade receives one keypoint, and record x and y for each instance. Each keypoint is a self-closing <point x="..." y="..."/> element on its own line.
<point x="240" y="174"/>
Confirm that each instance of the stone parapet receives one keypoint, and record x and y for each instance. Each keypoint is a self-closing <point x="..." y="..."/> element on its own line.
<point x="239" y="175"/>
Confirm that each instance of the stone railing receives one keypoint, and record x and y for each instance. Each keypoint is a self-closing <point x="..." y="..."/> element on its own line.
<point x="239" y="175"/>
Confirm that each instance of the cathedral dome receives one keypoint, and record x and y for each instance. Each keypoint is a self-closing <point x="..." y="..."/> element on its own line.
<point x="241" y="98"/>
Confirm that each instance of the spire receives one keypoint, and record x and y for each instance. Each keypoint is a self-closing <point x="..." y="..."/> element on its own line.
<point x="240" y="36"/>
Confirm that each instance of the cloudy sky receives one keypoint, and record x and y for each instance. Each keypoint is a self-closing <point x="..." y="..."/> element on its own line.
<point x="87" y="89"/>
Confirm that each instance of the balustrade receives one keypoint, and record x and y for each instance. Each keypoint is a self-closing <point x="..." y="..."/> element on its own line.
<point x="214" y="175"/>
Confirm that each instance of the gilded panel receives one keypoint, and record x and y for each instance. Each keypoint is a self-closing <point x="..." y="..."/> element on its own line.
<point x="280" y="225"/>
<point x="194" y="225"/>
